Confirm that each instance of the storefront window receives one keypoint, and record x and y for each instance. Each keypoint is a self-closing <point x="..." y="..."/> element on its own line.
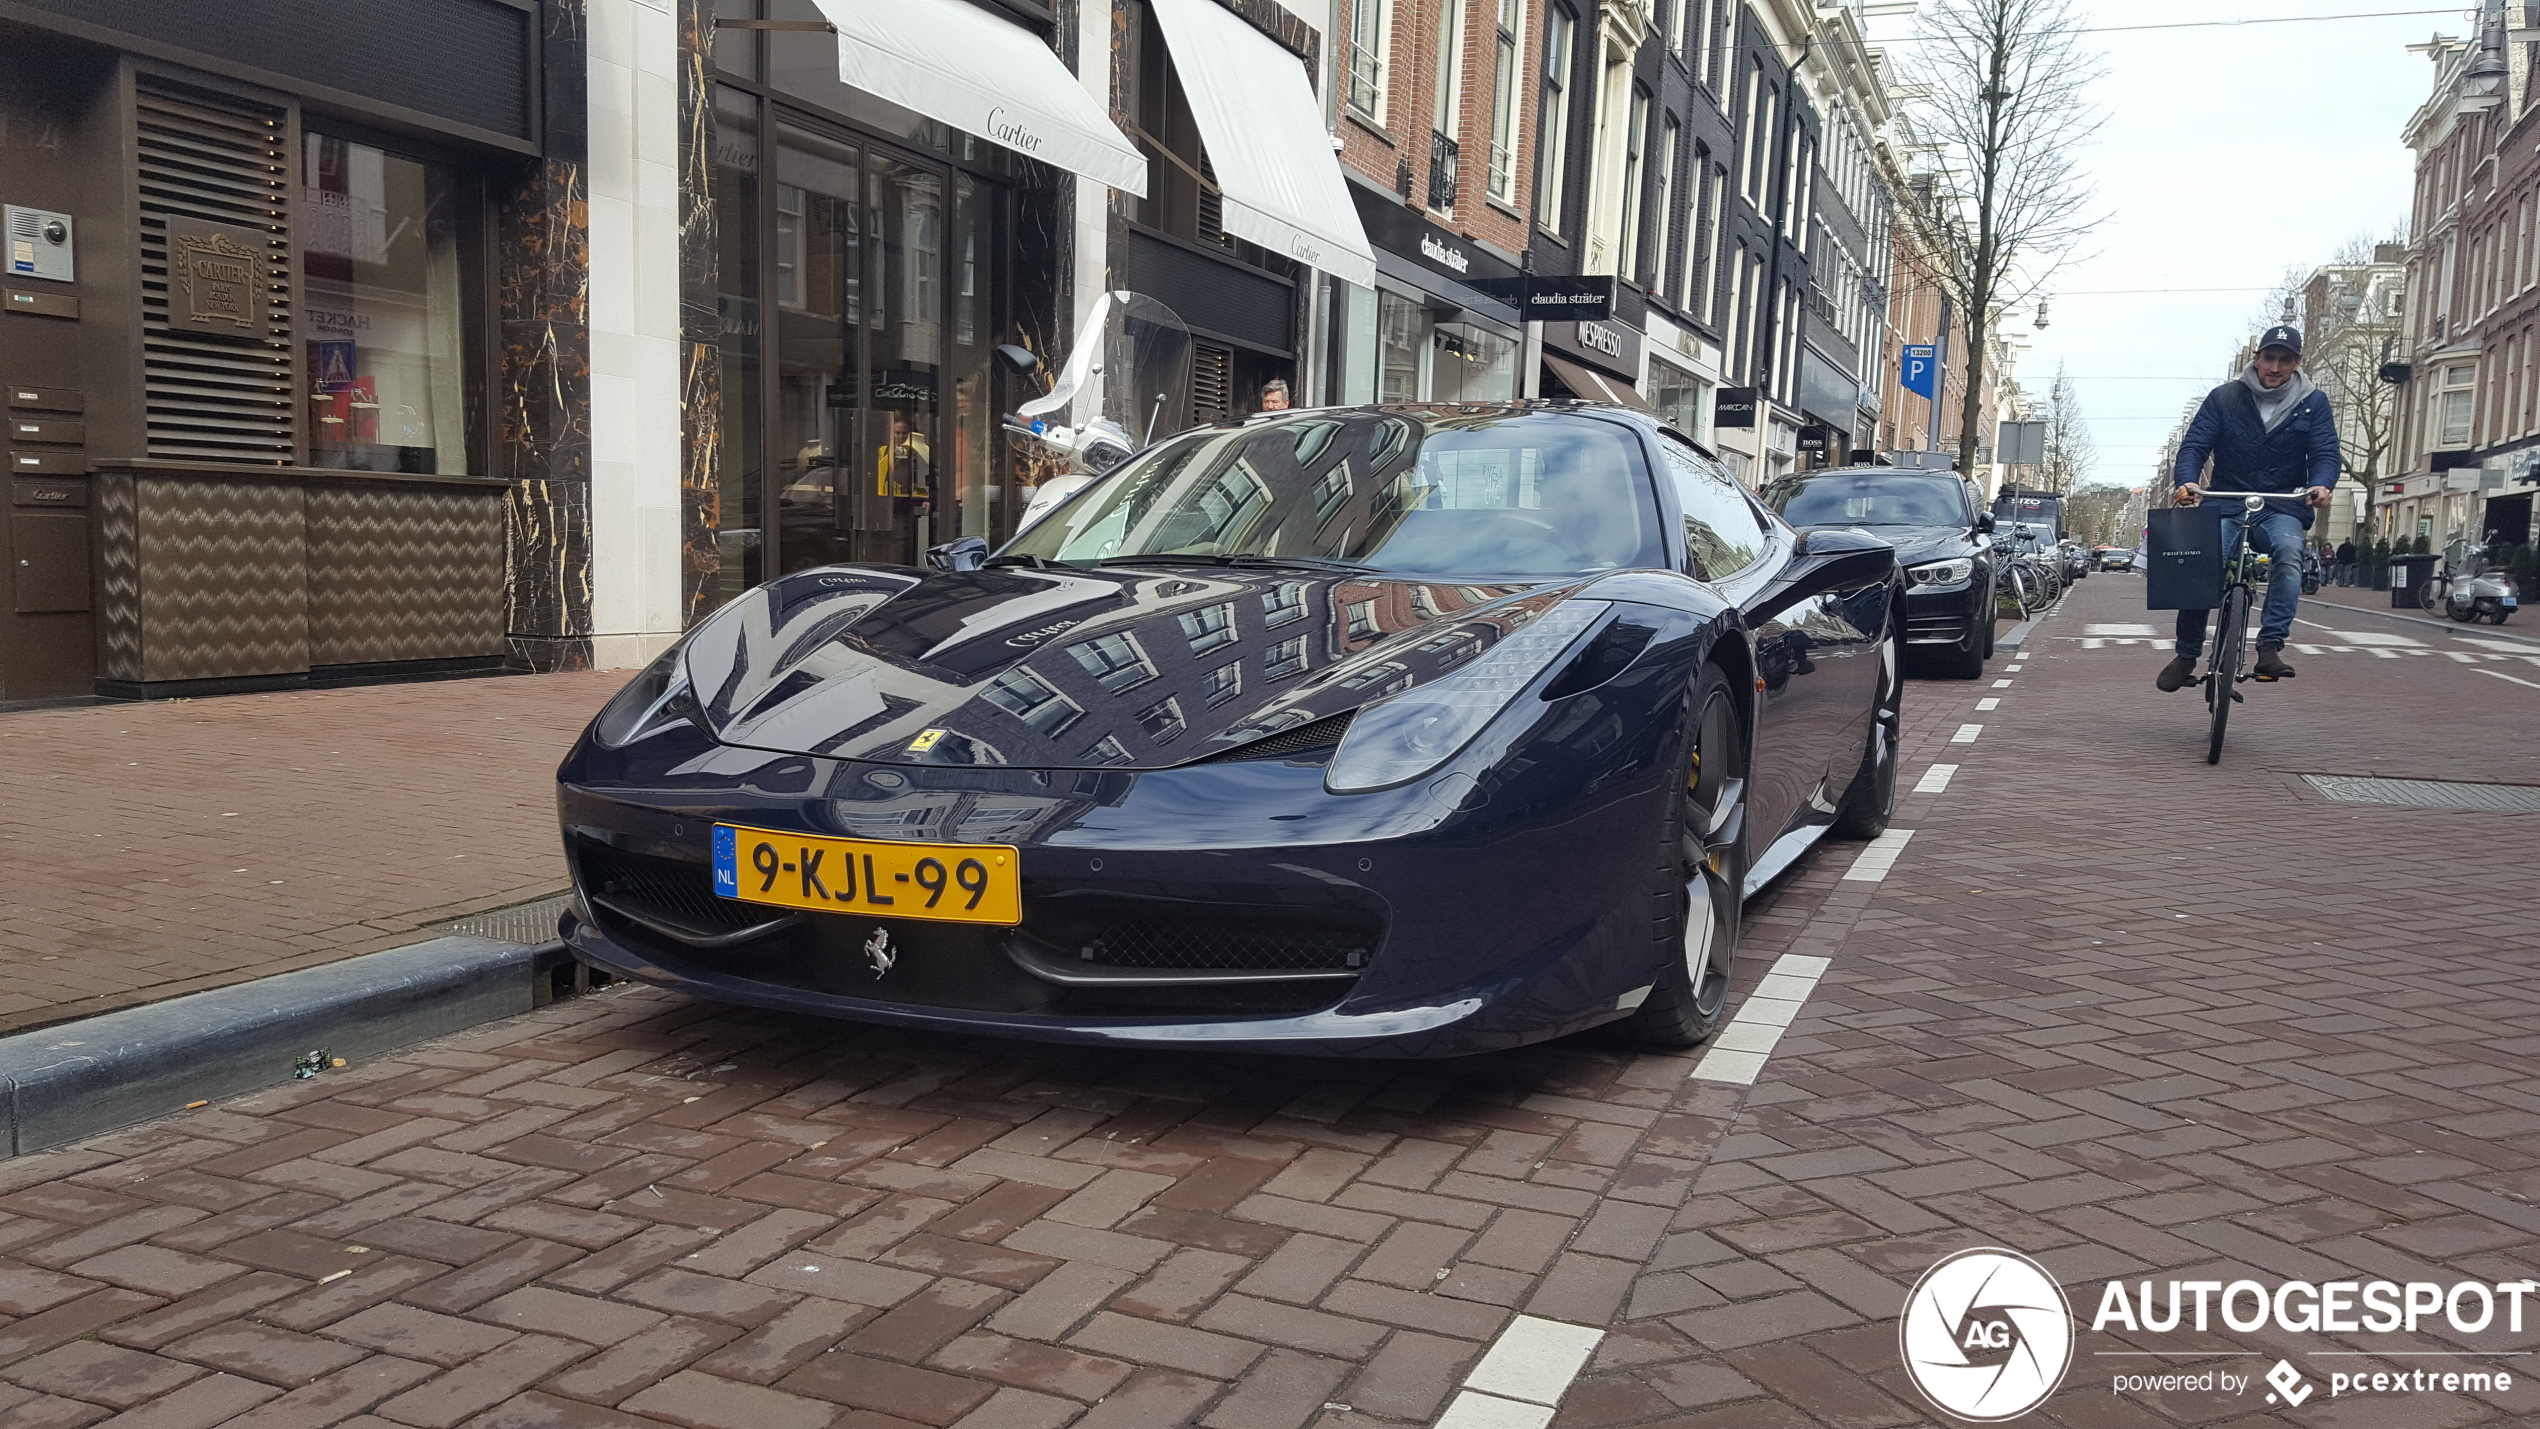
<point x="382" y="304"/>
<point x="1402" y="348"/>
<point x="740" y="532"/>
<point x="1471" y="364"/>
<point x="1681" y="399"/>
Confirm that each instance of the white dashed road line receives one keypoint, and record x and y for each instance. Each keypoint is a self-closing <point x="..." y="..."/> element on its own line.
<point x="1989" y="702"/>
<point x="1966" y="734"/>
<point x="2001" y="684"/>
<point x="1738" y="1051"/>
<point x="1936" y="779"/>
<point x="1519" y="1383"/>
<point x="2499" y="674"/>
<point x="1871" y="864"/>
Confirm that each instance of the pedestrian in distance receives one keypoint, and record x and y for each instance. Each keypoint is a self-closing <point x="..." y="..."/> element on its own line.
<point x="2269" y="429"/>
<point x="2346" y="561"/>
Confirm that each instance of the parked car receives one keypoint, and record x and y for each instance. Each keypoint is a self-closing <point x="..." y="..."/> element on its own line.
<point x="1401" y="730"/>
<point x="2113" y="558"/>
<point x="1941" y="533"/>
<point x="2077" y="562"/>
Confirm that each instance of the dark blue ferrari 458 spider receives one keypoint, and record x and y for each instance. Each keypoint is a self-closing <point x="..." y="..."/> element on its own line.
<point x="1399" y="730"/>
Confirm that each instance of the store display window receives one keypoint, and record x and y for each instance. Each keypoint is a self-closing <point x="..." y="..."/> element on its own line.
<point x="383" y="304"/>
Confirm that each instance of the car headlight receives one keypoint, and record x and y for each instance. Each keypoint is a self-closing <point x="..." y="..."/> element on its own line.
<point x="1942" y="572"/>
<point x="653" y="701"/>
<point x="1414" y="732"/>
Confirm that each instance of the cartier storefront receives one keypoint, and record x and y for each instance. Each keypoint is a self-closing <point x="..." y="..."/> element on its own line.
<point x="252" y="343"/>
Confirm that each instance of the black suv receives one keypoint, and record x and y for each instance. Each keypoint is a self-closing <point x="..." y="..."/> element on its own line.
<point x="1942" y="537"/>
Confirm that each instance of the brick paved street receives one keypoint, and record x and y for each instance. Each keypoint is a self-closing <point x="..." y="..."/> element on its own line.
<point x="148" y="850"/>
<point x="2133" y="1015"/>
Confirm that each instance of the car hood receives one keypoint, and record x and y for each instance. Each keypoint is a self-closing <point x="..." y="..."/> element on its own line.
<point x="1064" y="668"/>
<point x="1916" y="544"/>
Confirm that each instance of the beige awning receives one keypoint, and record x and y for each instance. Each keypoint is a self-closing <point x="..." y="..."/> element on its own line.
<point x="951" y="60"/>
<point x="1595" y="386"/>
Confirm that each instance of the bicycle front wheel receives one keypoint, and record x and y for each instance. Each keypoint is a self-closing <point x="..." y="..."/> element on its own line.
<point x="2222" y="677"/>
<point x="2431" y="596"/>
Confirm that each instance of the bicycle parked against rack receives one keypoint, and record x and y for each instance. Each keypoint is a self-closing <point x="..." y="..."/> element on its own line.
<point x="2244" y="571"/>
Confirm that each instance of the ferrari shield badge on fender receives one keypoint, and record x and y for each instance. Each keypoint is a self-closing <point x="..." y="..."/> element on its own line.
<point x="877" y="951"/>
<point x="925" y="740"/>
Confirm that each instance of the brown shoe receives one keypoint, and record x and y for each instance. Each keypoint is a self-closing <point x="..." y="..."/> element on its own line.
<point x="2271" y="664"/>
<point x="2175" y="674"/>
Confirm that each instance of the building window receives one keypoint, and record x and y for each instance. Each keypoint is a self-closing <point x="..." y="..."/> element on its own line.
<point x="1115" y="662"/>
<point x="1369" y="39"/>
<point x="1282" y="603"/>
<point x="2458" y="398"/>
<point x="1446" y="107"/>
<point x="1552" y="124"/>
<point x="1634" y="136"/>
<point x="1471" y="364"/>
<point x="1029" y="698"/>
<point x="383" y="298"/>
<point x="1681" y="399"/>
<point x="1705" y="303"/>
<point x="1362" y="619"/>
<point x="1163" y="720"/>
<point x="1223" y="684"/>
<point x="1208" y="627"/>
<point x="1663" y="211"/>
<point x="1503" y="104"/>
<point x="1284" y="659"/>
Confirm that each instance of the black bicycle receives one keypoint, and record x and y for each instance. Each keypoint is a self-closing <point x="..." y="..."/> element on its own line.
<point x="2243" y="570"/>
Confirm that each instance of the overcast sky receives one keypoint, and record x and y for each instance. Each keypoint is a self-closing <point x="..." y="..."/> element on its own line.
<point x="2229" y="154"/>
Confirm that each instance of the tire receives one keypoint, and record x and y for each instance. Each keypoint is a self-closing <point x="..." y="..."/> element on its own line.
<point x="2222" y="677"/>
<point x="1871" y="799"/>
<point x="2466" y="615"/>
<point x="1697" y="893"/>
<point x="2431" y="597"/>
<point x="2499" y="617"/>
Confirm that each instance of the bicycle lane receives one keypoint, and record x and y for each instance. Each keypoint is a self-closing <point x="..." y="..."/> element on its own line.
<point x="2142" y="1019"/>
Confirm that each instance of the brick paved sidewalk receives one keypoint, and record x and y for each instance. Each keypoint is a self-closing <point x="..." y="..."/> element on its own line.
<point x="2131" y="1014"/>
<point x="155" y="849"/>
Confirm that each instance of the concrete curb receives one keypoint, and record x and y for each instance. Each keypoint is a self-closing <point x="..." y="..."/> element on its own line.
<point x="2018" y="634"/>
<point x="80" y="1079"/>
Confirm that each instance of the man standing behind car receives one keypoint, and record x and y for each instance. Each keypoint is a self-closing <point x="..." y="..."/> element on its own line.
<point x="2269" y="429"/>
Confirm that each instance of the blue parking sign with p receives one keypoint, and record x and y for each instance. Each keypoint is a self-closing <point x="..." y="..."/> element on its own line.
<point x="1922" y="368"/>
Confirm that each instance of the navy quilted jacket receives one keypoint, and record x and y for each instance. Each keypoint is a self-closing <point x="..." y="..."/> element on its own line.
<point x="2301" y="451"/>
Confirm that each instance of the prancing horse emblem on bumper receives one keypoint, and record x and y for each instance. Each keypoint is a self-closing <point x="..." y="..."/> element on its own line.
<point x="877" y="951"/>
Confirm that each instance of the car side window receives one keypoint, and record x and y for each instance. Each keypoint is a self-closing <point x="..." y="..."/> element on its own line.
<point x="1723" y="533"/>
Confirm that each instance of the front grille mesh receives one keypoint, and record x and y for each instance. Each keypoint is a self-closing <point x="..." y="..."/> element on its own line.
<point x="1220" y="947"/>
<point x="1321" y="734"/>
<point x="679" y="892"/>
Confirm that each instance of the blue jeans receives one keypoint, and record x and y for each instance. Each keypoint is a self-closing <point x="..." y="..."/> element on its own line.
<point x="2279" y="535"/>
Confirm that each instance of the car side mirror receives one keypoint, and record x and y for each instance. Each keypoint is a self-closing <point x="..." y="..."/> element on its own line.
<point x="1984" y="521"/>
<point x="967" y="554"/>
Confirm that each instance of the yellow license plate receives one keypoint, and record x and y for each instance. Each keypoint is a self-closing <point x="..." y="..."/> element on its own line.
<point x="948" y="883"/>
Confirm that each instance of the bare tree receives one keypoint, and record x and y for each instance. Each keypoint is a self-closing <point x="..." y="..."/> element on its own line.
<point x="2070" y="452"/>
<point x="2356" y="330"/>
<point x="2103" y="515"/>
<point x="2006" y="81"/>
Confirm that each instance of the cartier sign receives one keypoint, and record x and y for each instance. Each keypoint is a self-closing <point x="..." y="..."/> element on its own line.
<point x="216" y="277"/>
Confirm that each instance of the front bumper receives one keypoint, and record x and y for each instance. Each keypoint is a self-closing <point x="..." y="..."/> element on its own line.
<point x="1948" y="615"/>
<point x="1458" y="914"/>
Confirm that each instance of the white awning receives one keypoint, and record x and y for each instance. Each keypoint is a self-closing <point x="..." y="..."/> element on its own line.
<point x="951" y="60"/>
<point x="1276" y="171"/>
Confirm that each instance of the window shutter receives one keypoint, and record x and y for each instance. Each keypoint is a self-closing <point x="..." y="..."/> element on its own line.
<point x="219" y="390"/>
<point x="1212" y="382"/>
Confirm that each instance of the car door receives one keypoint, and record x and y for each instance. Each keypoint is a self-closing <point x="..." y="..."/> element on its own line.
<point x="1729" y="542"/>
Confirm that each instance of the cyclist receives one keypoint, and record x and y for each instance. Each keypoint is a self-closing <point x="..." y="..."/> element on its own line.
<point x="2269" y="429"/>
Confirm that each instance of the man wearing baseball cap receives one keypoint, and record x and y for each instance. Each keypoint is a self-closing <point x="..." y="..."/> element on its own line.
<point x="2269" y="429"/>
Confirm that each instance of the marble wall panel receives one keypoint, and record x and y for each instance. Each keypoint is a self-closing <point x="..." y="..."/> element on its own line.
<point x="700" y="319"/>
<point x="543" y="437"/>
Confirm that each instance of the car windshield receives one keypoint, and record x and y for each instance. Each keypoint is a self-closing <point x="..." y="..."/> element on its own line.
<point x="1402" y="491"/>
<point x="1868" y="498"/>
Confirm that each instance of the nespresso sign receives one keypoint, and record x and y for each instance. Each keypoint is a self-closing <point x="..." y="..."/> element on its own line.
<point x="1606" y="345"/>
